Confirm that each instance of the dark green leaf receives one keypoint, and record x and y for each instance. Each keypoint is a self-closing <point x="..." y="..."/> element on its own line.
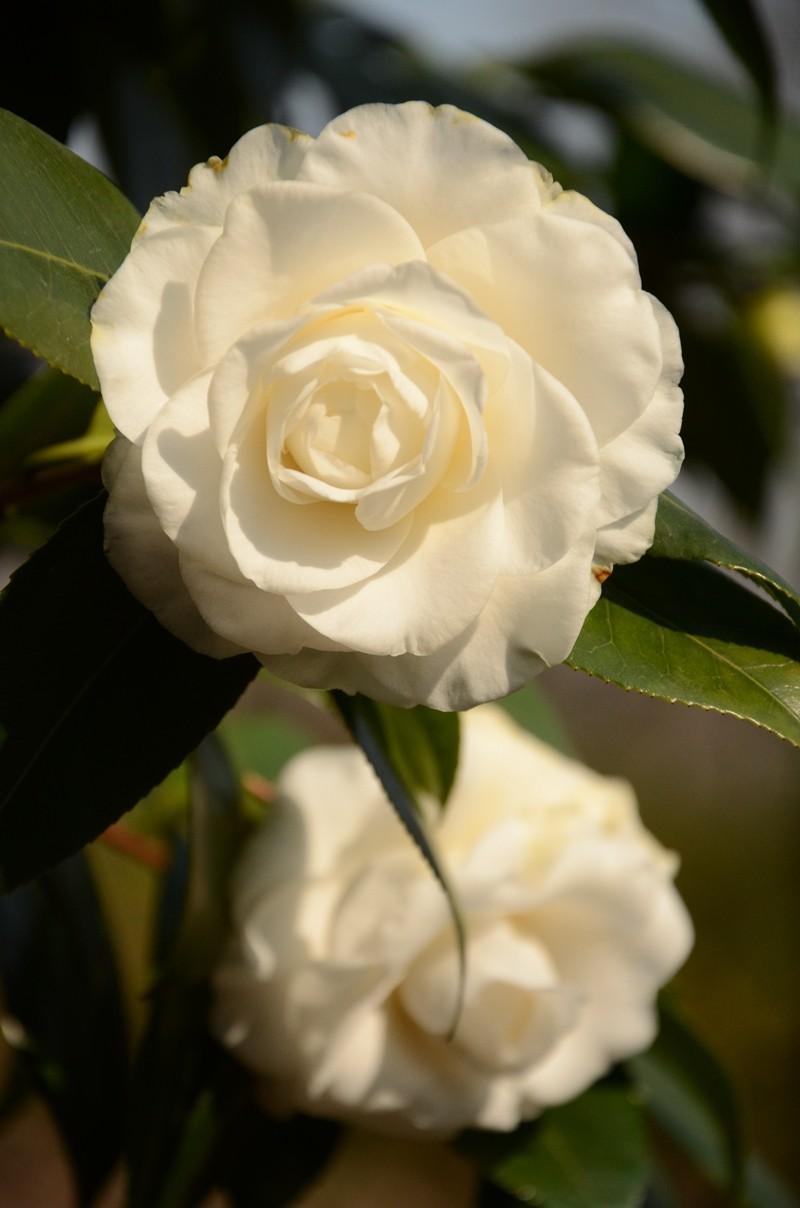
<point x="741" y="26"/>
<point x="49" y="407"/>
<point x="60" y="986"/>
<point x="97" y="701"/>
<point x="64" y="229"/>
<point x="684" y="631"/>
<point x="175" y="1123"/>
<point x="688" y="1093"/>
<point x="682" y="534"/>
<point x="590" y="1153"/>
<point x="364" y="720"/>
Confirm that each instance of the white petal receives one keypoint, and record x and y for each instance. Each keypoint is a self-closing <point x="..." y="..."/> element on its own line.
<point x="254" y="619"/>
<point x="442" y="169"/>
<point x="288" y="547"/>
<point x="145" y="558"/>
<point x="645" y="459"/>
<point x="143" y="340"/>
<point x="527" y="623"/>
<point x="628" y="539"/>
<point x="567" y="292"/>
<point x="546" y="456"/>
<point x="266" y="153"/>
<point x="284" y="243"/>
<point x="183" y="471"/>
<point x="432" y="590"/>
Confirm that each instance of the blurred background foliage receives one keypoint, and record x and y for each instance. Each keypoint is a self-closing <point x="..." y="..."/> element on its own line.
<point x="644" y="108"/>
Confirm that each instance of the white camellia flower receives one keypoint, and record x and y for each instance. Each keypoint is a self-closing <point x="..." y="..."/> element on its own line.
<point x="384" y="398"/>
<point x="340" y="983"/>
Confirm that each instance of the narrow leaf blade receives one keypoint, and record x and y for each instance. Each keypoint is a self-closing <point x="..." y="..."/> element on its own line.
<point x="363" y="719"/>
<point x="97" y="702"/>
<point x="64" y="229"/>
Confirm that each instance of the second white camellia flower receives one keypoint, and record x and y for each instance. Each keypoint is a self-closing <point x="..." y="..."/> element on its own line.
<point x="340" y="983"/>
<point x="384" y="397"/>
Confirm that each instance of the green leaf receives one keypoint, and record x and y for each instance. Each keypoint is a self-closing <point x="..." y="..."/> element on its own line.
<point x="532" y="709"/>
<point x="365" y="721"/>
<point x="703" y="127"/>
<point x="97" y="701"/>
<point x="682" y="534"/>
<point x="684" y="631"/>
<point x="61" y="989"/>
<point x="684" y="1087"/>
<point x="46" y="409"/>
<point x="64" y="229"/>
<point x="590" y="1153"/>
<point x="175" y="1124"/>
<point x="741" y="26"/>
<point x="423" y="745"/>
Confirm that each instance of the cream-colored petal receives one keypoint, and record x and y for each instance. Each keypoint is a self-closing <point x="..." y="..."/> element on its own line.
<point x="145" y="558"/>
<point x="628" y="539"/>
<point x="288" y="547"/>
<point x="284" y="243"/>
<point x="270" y="152"/>
<point x="183" y="471"/>
<point x="527" y="623"/>
<point x="567" y="292"/>
<point x="441" y="168"/>
<point x="544" y="451"/>
<point x="429" y="592"/>
<point x="645" y="459"/>
<point x="242" y="613"/>
<point x="143" y="340"/>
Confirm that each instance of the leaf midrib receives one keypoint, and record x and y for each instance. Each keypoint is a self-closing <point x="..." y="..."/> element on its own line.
<point x="70" y="264"/>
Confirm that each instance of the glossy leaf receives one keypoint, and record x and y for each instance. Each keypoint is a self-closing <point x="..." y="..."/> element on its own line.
<point x="49" y="407"/>
<point x="60" y="987"/>
<point x="97" y="701"/>
<point x="590" y="1153"/>
<point x="364" y="720"/>
<point x="741" y="26"/>
<point x="64" y="229"/>
<point x="684" y="631"/>
<point x="689" y="1094"/>
<point x="682" y="534"/>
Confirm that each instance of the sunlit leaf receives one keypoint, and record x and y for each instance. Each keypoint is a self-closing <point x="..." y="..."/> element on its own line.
<point x="64" y="229"/>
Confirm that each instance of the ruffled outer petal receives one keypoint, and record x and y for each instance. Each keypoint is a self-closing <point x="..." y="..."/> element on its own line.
<point x="270" y="152"/>
<point x="143" y="340"/>
<point x="145" y="558"/>
<point x="441" y="168"/>
<point x="566" y="290"/>
<point x="527" y="623"/>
